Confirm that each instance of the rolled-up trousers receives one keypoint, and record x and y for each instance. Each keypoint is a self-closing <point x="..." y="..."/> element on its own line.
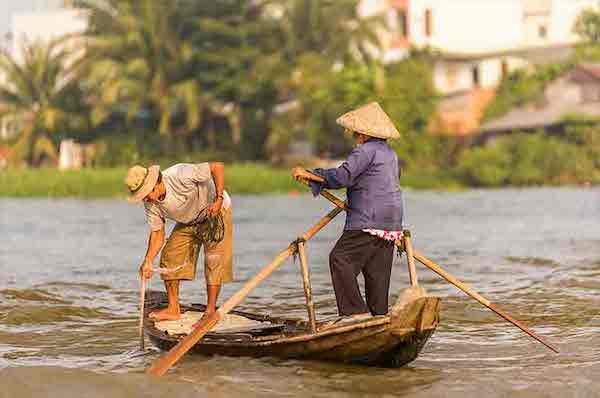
<point x="359" y="252"/>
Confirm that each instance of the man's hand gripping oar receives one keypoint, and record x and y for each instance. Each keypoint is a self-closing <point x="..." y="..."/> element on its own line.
<point x="304" y="176"/>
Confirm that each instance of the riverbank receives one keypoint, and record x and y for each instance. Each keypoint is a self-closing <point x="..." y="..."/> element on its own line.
<point x="242" y="178"/>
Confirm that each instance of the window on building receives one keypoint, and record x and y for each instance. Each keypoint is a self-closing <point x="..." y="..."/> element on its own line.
<point x="476" y="77"/>
<point x="504" y="68"/>
<point x="403" y="23"/>
<point x="428" y="23"/>
<point x="451" y="75"/>
<point x="542" y="32"/>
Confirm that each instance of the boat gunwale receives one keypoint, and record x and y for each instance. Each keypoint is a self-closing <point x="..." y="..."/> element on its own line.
<point x="216" y="339"/>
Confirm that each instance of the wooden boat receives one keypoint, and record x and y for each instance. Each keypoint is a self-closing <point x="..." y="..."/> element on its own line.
<point x="391" y="340"/>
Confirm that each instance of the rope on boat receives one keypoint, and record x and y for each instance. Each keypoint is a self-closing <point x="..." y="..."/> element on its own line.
<point x="212" y="229"/>
<point x="300" y="239"/>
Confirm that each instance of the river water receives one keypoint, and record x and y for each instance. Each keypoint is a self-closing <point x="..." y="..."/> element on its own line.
<point x="69" y="290"/>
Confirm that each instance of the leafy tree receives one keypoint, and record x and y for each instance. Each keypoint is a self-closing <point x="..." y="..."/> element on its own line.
<point x="40" y="92"/>
<point x="239" y="66"/>
<point x="526" y="159"/>
<point x="410" y="100"/>
<point x="328" y="51"/>
<point x="137" y="58"/>
<point x="325" y="94"/>
<point x="587" y="27"/>
<point x="330" y="28"/>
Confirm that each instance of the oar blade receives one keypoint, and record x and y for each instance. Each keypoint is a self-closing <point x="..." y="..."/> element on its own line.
<point x="518" y="324"/>
<point x="164" y="363"/>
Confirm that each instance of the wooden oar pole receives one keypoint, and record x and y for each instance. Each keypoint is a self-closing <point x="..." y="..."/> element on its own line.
<point x="482" y="300"/>
<point x="310" y="307"/>
<point x="412" y="270"/>
<point x="470" y="292"/>
<point x="142" y="303"/>
<point x="161" y="365"/>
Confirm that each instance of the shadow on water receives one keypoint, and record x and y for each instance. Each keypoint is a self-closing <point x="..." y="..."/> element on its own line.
<point x="53" y="382"/>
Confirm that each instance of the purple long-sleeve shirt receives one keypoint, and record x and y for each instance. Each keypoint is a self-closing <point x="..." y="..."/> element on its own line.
<point x="372" y="177"/>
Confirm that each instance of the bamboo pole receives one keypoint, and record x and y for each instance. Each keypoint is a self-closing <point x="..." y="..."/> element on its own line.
<point x="473" y="294"/>
<point x="164" y="363"/>
<point x="310" y="307"/>
<point x="142" y="303"/>
<point x="412" y="271"/>
<point x="482" y="300"/>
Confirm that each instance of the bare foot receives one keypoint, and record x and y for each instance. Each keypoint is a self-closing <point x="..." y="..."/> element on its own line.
<point x="205" y="316"/>
<point x="164" y="315"/>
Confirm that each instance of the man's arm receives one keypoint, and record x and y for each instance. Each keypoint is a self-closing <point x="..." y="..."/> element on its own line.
<point x="155" y="243"/>
<point x="217" y="170"/>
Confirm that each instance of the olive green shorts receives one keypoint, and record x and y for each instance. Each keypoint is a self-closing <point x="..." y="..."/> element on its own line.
<point x="182" y="249"/>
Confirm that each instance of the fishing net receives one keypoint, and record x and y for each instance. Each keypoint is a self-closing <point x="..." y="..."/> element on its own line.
<point x="212" y="229"/>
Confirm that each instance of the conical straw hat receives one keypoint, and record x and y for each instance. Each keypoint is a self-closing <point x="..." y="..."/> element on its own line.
<point x="370" y="120"/>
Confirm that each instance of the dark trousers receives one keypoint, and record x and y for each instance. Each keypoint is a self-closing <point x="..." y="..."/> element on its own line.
<point x="356" y="252"/>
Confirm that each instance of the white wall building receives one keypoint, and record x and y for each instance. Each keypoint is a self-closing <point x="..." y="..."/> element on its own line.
<point x="477" y="41"/>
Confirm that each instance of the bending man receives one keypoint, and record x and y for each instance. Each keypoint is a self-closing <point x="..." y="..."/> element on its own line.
<point x="192" y="195"/>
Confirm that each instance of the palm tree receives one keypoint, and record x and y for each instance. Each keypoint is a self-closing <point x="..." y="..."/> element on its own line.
<point x="238" y="63"/>
<point x="137" y="59"/>
<point x="330" y="28"/>
<point x="37" y="86"/>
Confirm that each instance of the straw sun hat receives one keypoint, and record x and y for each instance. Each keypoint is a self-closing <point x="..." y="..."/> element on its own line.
<point x="369" y="120"/>
<point x="140" y="181"/>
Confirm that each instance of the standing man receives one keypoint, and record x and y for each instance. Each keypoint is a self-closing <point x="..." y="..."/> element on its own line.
<point x="371" y="176"/>
<point x="193" y="196"/>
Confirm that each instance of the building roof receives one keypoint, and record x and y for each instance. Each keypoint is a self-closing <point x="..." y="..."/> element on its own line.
<point x="536" y="55"/>
<point x="522" y="119"/>
<point x="558" y="104"/>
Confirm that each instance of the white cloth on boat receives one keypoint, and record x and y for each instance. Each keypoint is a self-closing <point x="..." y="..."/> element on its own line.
<point x="185" y="325"/>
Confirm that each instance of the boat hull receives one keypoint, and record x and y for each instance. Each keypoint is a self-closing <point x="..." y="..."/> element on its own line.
<point x="388" y="341"/>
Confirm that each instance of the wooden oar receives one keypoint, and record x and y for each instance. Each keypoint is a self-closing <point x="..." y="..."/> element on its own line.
<point x="482" y="300"/>
<point x="142" y="303"/>
<point x="143" y="299"/>
<point x="160" y="366"/>
<point x="470" y="292"/>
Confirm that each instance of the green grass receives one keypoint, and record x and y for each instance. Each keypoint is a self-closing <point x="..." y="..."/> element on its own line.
<point x="256" y="178"/>
<point x="47" y="182"/>
<point x="241" y="178"/>
<point x="445" y="180"/>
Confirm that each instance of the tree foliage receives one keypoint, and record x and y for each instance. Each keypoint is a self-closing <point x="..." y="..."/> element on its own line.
<point x="136" y="57"/>
<point x="41" y="95"/>
<point x="587" y="26"/>
<point x="329" y="28"/>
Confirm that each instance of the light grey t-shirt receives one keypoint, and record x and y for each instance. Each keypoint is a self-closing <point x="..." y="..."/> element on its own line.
<point x="189" y="190"/>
